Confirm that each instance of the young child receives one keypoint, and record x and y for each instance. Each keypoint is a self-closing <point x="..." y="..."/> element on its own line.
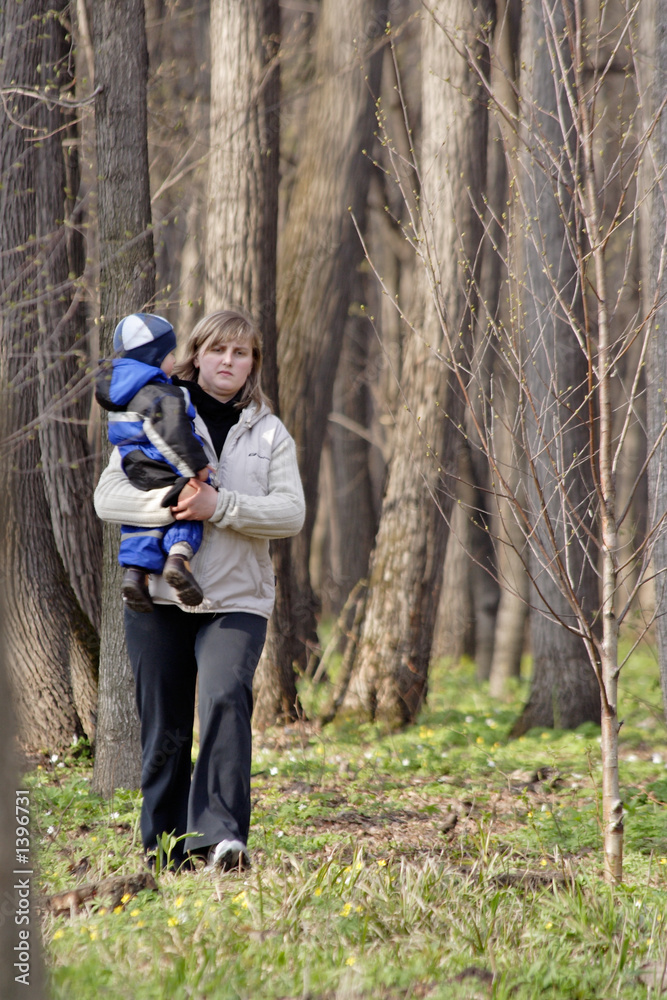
<point x="151" y="421"/>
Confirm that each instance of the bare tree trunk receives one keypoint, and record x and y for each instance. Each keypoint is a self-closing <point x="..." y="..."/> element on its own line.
<point x="319" y="247"/>
<point x="352" y="508"/>
<point x="63" y="393"/>
<point x="657" y="367"/>
<point x="391" y="668"/>
<point x="564" y="690"/>
<point x="511" y="621"/>
<point x="127" y="284"/>
<point x="64" y="390"/>
<point x="512" y="612"/>
<point x="178" y="38"/>
<point x="242" y="221"/>
<point x="454" y="629"/>
<point x="242" y="213"/>
<point x="21" y="966"/>
<point x="50" y="642"/>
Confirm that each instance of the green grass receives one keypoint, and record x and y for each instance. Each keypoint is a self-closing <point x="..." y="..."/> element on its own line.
<point x="363" y="885"/>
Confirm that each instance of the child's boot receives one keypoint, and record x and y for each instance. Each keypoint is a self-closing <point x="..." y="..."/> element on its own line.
<point x="134" y="589"/>
<point x="178" y="575"/>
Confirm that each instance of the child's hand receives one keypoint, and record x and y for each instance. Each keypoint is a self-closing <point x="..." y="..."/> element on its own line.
<point x="203" y="474"/>
<point x="188" y="490"/>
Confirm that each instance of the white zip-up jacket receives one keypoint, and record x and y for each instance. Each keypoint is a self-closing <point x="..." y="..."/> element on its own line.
<point x="260" y="497"/>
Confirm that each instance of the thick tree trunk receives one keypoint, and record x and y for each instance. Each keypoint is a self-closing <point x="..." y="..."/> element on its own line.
<point x="483" y="569"/>
<point x="51" y="645"/>
<point x="391" y="669"/>
<point x="127" y="284"/>
<point x="178" y="38"/>
<point x="657" y="367"/>
<point x="63" y="396"/>
<point x="564" y="690"/>
<point x="319" y="247"/>
<point x="15" y="826"/>
<point x="512" y="612"/>
<point x="454" y="629"/>
<point x="352" y="506"/>
<point x="242" y="220"/>
<point x="242" y="212"/>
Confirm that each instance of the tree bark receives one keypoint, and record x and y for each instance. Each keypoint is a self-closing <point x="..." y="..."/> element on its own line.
<point x="512" y="612"/>
<point x="352" y="507"/>
<point x="15" y="808"/>
<point x="454" y="629"/>
<point x="319" y="247"/>
<point x="564" y="690"/>
<point x="51" y="645"/>
<point x="64" y="394"/>
<point x="242" y="214"/>
<point x="179" y="42"/>
<point x="127" y="284"/>
<point x="391" y="669"/>
<point x="64" y="386"/>
<point x="242" y="221"/>
<point x="657" y="366"/>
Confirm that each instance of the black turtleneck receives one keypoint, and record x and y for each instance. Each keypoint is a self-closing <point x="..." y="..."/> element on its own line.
<point x="218" y="417"/>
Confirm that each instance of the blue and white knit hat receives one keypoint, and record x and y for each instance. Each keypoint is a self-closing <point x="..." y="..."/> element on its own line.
<point x="144" y="337"/>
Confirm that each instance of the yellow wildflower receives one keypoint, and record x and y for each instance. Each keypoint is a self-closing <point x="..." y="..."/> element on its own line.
<point x="172" y="921"/>
<point x="58" y="934"/>
<point x="345" y="912"/>
<point x="350" y="960"/>
<point x="126" y="897"/>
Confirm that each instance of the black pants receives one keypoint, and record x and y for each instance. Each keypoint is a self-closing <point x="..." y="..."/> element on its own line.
<point x="168" y="648"/>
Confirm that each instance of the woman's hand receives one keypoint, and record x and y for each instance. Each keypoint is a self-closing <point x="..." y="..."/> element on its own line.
<point x="197" y="502"/>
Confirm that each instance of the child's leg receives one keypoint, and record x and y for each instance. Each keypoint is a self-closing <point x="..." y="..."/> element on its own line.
<point x="142" y="547"/>
<point x="134" y="589"/>
<point x="181" y="541"/>
<point x="140" y="552"/>
<point x="183" y="537"/>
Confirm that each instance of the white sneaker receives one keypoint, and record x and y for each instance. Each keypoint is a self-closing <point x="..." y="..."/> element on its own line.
<point x="228" y="855"/>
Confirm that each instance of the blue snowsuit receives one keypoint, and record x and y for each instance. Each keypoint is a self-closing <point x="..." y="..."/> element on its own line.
<point x="151" y="421"/>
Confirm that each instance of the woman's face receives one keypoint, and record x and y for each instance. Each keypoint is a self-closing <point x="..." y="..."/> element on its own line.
<point x="224" y="368"/>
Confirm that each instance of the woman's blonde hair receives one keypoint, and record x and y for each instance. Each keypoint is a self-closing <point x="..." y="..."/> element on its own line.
<point x="223" y="327"/>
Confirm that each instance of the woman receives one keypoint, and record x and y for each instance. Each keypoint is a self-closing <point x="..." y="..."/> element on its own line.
<point x="254" y="495"/>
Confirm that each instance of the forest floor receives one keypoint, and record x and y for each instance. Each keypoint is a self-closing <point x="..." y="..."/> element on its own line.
<point x="444" y="861"/>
